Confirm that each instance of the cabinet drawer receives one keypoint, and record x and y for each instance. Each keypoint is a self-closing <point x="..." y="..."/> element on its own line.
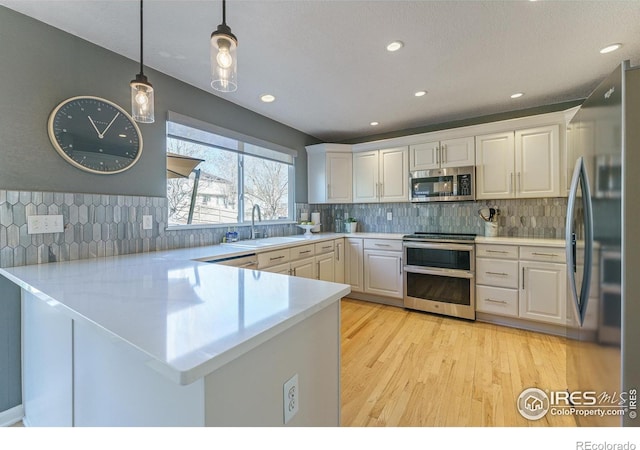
<point x="497" y="272"/>
<point x="324" y="247"/>
<point x="302" y="251"/>
<point x="268" y="259"/>
<point x="497" y="300"/>
<point x="548" y="254"/>
<point x="383" y="244"/>
<point x="497" y="251"/>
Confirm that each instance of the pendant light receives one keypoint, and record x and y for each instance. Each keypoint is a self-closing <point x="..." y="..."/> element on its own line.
<point x="224" y="64"/>
<point x="142" y="91"/>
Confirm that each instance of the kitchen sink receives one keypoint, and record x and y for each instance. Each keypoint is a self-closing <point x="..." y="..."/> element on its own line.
<point x="265" y="242"/>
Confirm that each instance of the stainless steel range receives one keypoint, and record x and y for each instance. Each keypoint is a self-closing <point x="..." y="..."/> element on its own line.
<point x="439" y="273"/>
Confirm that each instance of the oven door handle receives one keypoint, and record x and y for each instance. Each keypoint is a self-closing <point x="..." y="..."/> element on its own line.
<point x="440" y="272"/>
<point x="437" y="245"/>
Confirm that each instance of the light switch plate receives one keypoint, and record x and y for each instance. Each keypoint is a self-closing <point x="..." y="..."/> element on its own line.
<point x="52" y="223"/>
<point x="389" y="215"/>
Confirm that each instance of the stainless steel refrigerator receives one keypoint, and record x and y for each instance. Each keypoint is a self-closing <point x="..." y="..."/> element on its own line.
<point x="603" y="248"/>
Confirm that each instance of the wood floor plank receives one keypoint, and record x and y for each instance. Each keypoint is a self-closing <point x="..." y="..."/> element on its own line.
<point x="405" y="368"/>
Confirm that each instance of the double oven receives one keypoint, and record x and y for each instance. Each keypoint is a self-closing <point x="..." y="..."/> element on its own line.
<point x="439" y="274"/>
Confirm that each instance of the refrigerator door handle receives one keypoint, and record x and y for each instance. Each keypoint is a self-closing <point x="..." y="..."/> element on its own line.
<point x="580" y="177"/>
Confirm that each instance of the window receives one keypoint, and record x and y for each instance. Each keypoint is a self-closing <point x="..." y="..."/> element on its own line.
<point x="231" y="174"/>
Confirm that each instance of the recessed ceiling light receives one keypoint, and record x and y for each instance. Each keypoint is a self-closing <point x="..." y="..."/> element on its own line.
<point x="267" y="98"/>
<point x="373" y="124"/>
<point x="420" y="93"/>
<point x="517" y="95"/>
<point x="395" y="46"/>
<point x="610" y="48"/>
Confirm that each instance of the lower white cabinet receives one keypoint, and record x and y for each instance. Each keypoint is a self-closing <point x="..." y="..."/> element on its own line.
<point x="354" y="258"/>
<point x="338" y="267"/>
<point x="543" y="292"/>
<point x="524" y="282"/>
<point x="305" y="268"/>
<point x="325" y="267"/>
<point x="383" y="273"/>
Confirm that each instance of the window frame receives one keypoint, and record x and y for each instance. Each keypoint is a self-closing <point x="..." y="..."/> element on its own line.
<point x="241" y="153"/>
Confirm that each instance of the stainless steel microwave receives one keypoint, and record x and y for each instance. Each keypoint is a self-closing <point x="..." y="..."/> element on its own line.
<point x="443" y="185"/>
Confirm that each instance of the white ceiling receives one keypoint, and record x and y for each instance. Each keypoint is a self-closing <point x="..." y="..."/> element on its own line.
<point x="326" y="63"/>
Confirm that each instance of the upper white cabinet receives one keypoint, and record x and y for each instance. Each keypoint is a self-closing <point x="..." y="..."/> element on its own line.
<point x="440" y="154"/>
<point x="381" y="176"/>
<point x="520" y="164"/>
<point x="329" y="172"/>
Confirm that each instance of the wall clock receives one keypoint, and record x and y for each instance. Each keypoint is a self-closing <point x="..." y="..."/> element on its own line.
<point x="95" y="135"/>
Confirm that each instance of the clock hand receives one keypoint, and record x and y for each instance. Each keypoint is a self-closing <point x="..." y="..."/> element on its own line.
<point x="110" y="123"/>
<point x="94" y="127"/>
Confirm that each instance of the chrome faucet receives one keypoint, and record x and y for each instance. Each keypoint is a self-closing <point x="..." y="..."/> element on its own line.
<point x="253" y="220"/>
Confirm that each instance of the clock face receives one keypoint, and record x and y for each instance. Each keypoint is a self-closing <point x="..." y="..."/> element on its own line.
<point x="95" y="135"/>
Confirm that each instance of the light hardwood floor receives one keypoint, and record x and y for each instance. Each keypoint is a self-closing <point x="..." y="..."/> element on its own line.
<point x="402" y="368"/>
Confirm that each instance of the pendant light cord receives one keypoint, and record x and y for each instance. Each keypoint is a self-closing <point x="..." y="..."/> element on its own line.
<point x="224" y="12"/>
<point x="141" y="34"/>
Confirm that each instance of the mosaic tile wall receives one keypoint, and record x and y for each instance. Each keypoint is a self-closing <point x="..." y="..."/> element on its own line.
<point x="98" y="225"/>
<point x="532" y="218"/>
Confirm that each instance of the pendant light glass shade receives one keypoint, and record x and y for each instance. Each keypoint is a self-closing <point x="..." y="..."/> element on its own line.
<point x="142" y="103"/>
<point x="224" y="61"/>
<point x="142" y="100"/>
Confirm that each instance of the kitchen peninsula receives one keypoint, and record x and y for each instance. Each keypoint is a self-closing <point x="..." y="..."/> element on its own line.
<point x="166" y="339"/>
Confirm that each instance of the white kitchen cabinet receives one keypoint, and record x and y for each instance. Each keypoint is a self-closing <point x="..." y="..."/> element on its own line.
<point x="381" y="176"/>
<point x="354" y="259"/>
<point x="325" y="269"/>
<point x="284" y="269"/>
<point x="329" y="173"/>
<point x="526" y="282"/>
<point x="338" y="268"/>
<point x="383" y="272"/>
<point x="520" y="164"/>
<point x="543" y="292"/>
<point x="305" y="268"/>
<point x="383" y="267"/>
<point x="440" y="154"/>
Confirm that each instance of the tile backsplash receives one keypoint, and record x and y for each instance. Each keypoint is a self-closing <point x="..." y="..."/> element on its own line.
<point x="97" y="225"/>
<point x="533" y="218"/>
<point x="107" y="225"/>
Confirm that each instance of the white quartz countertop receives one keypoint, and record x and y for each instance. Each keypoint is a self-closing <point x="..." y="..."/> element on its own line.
<point x="188" y="316"/>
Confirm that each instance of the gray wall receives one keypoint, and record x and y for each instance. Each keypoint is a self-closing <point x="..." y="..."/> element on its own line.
<point x="41" y="66"/>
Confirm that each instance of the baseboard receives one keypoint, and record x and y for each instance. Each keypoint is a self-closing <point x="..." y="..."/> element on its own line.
<point x="376" y="299"/>
<point x="11" y="416"/>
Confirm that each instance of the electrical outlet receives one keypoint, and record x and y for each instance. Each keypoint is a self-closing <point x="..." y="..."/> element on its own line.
<point x="291" y="398"/>
<point x="147" y="222"/>
<point x="52" y="223"/>
<point x="389" y="215"/>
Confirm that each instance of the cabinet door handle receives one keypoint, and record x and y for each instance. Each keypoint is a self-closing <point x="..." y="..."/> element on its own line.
<point x="519" y="184"/>
<point x="306" y="251"/>
<point x="276" y="258"/>
<point x="444" y="153"/>
<point x="318" y="272"/>
<point x="553" y="255"/>
<point x="338" y="252"/>
<point x="382" y="245"/>
<point x="497" y="251"/>
<point x="436" y="152"/>
<point x="328" y="190"/>
<point x="511" y="182"/>
<point x="523" y="278"/>
<point x="497" y="273"/>
<point x="495" y="301"/>
<point x="327" y="247"/>
<point x="400" y="266"/>
<point x="294" y="272"/>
